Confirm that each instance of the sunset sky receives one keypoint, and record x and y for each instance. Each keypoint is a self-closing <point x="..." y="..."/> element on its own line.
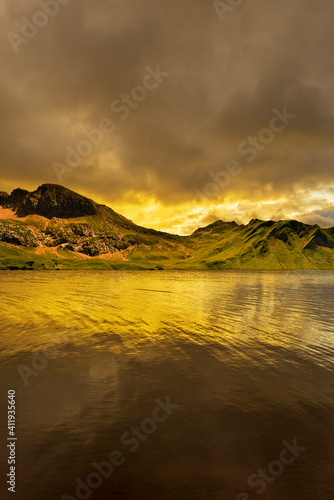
<point x="222" y="73"/>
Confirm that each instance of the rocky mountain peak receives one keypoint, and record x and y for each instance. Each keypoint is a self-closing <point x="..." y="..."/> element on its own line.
<point x="49" y="200"/>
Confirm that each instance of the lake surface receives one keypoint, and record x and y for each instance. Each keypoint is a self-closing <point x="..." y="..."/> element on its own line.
<point x="245" y="358"/>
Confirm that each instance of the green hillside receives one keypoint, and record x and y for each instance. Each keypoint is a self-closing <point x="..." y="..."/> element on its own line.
<point x="92" y="236"/>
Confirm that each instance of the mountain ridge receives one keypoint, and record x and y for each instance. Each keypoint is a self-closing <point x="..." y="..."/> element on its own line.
<point x="56" y="228"/>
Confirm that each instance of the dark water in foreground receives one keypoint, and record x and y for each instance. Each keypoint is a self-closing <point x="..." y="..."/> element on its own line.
<point x="246" y="356"/>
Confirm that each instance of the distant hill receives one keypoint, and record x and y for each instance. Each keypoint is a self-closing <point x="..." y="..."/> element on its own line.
<point x="56" y="228"/>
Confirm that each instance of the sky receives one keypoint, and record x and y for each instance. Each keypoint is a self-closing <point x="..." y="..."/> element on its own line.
<point x="174" y="114"/>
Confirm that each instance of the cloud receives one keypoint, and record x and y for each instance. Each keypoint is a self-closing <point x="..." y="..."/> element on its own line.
<point x="324" y="218"/>
<point x="225" y="79"/>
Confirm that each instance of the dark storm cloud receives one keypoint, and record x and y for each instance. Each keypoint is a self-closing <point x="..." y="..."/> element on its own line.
<point x="324" y="218"/>
<point x="225" y="79"/>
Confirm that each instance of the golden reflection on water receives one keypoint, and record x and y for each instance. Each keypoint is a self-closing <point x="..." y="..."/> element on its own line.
<point x="248" y="356"/>
<point x="225" y="307"/>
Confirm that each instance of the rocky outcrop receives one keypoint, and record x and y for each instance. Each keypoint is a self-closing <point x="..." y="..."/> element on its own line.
<point x="80" y="238"/>
<point x="49" y="200"/>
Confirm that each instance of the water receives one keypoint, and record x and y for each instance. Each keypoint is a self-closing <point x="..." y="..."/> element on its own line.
<point x="246" y="358"/>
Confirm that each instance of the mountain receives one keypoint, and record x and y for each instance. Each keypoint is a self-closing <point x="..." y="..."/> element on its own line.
<point x="56" y="228"/>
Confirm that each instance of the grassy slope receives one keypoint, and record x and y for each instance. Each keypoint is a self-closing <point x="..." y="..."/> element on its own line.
<point x="267" y="245"/>
<point x="259" y="245"/>
<point x="150" y="251"/>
